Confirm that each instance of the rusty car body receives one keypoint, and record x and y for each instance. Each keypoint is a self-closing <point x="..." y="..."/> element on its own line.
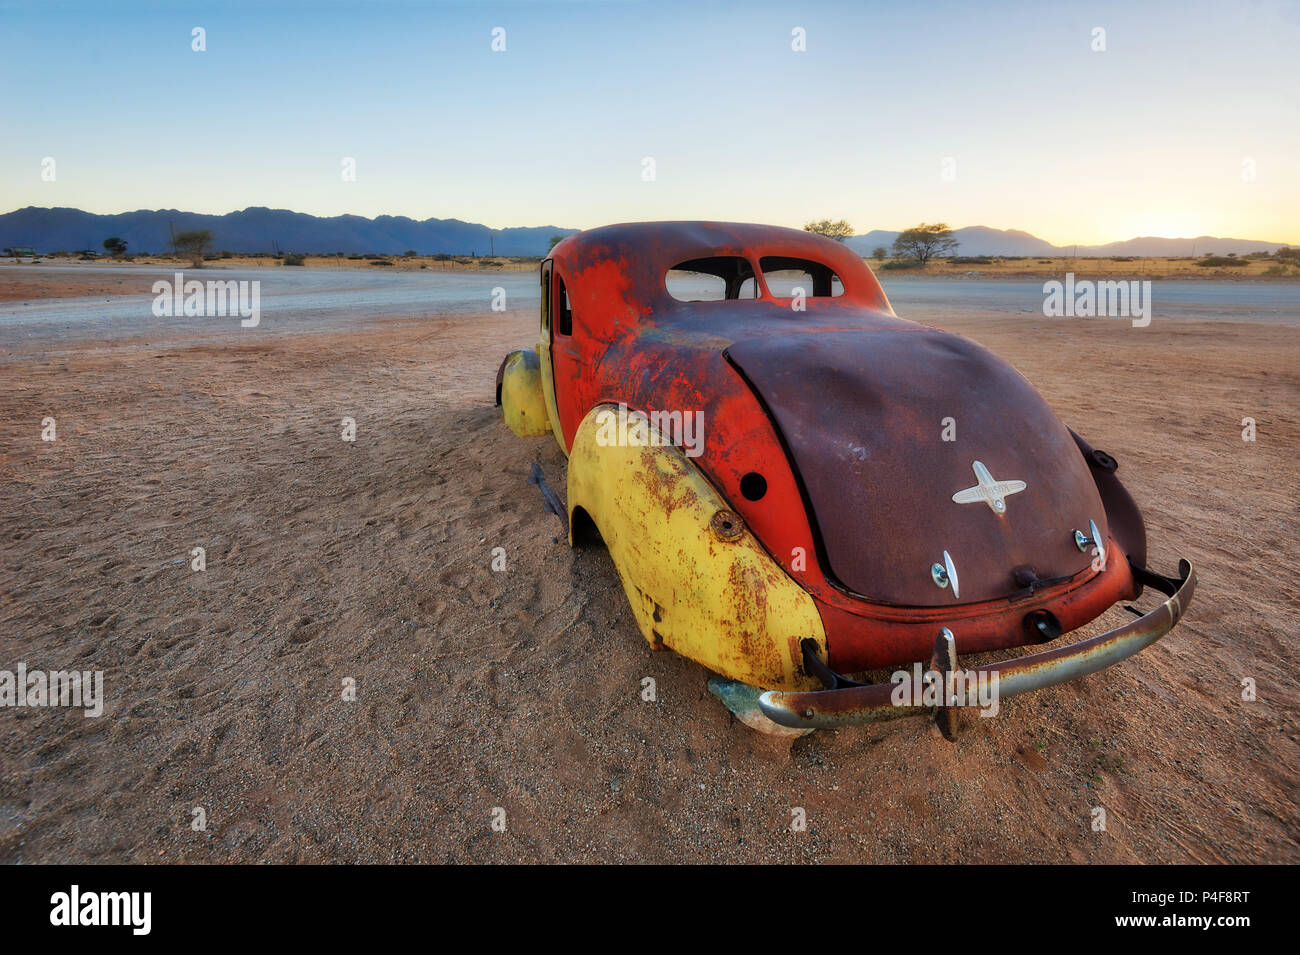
<point x="869" y="493"/>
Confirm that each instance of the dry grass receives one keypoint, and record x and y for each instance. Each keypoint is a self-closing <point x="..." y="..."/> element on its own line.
<point x="997" y="267"/>
<point x="1152" y="268"/>
<point x="498" y="263"/>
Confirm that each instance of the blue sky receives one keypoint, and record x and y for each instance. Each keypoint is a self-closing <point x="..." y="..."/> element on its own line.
<point x="1150" y="136"/>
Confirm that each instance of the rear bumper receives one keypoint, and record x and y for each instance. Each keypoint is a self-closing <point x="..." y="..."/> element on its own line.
<point x="864" y="636"/>
<point x="845" y="703"/>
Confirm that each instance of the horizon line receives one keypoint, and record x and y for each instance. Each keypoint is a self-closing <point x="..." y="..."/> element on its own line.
<point x="856" y="235"/>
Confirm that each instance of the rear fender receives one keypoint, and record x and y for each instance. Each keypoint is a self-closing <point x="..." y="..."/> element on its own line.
<point x="698" y="581"/>
<point x="1122" y="513"/>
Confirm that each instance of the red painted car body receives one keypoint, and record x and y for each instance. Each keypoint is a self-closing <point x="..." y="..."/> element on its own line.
<point x="842" y="408"/>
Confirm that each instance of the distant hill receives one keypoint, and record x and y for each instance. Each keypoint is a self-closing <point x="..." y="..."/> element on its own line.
<point x="974" y="240"/>
<point x="258" y="229"/>
<point x="981" y="240"/>
<point x="1201" y="245"/>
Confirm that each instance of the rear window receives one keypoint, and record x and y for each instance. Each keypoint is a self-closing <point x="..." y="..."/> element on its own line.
<point x="714" y="279"/>
<point x="785" y="276"/>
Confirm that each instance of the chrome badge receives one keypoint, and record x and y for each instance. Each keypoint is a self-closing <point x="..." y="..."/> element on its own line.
<point x="991" y="492"/>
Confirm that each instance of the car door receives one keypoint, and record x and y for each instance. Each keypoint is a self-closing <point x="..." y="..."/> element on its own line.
<point x="566" y="358"/>
<point x="544" y="352"/>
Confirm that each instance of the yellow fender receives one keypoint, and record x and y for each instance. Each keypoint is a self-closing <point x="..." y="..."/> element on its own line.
<point x="522" y="401"/>
<point x="699" y="582"/>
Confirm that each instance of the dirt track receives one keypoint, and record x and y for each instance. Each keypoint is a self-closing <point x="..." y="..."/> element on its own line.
<point x="370" y="560"/>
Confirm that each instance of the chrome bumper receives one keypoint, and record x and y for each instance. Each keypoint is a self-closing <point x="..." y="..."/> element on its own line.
<point x="845" y="703"/>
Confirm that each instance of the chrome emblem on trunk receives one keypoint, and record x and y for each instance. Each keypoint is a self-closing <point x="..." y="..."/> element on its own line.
<point x="991" y="492"/>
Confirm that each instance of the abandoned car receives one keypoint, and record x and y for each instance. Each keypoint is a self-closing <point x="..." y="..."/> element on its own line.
<point x="795" y="484"/>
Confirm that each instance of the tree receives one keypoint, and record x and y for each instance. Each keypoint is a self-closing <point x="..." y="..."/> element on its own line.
<point x="837" y="229"/>
<point x="555" y="240"/>
<point x="115" y="246"/>
<point x="193" y="244"/>
<point x="924" y="242"/>
<point x="879" y="253"/>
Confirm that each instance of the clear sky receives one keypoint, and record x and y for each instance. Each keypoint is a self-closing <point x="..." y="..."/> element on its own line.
<point x="1188" y="123"/>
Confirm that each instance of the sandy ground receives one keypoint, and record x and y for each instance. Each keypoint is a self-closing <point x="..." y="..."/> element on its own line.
<point x="370" y="561"/>
<point x="20" y="286"/>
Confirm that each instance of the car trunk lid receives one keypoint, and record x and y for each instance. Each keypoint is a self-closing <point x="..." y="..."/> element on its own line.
<point x="884" y="427"/>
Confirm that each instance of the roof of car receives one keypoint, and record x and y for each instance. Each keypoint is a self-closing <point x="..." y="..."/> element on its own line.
<point x="644" y="252"/>
<point x="684" y="240"/>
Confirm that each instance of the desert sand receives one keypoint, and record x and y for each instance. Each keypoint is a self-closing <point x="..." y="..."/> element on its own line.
<point x="369" y="561"/>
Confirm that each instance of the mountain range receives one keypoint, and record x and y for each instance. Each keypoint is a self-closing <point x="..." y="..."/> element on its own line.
<point x="259" y="229"/>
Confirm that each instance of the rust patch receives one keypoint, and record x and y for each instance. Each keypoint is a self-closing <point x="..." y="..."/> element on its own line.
<point x="727" y="525"/>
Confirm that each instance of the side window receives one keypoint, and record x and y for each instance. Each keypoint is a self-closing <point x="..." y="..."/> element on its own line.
<point x="546" y="297"/>
<point x="563" y="310"/>
<point x="783" y="275"/>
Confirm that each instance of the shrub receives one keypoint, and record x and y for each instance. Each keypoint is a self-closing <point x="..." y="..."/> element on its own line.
<point x="1220" y="261"/>
<point x="901" y="264"/>
<point x="292" y="259"/>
